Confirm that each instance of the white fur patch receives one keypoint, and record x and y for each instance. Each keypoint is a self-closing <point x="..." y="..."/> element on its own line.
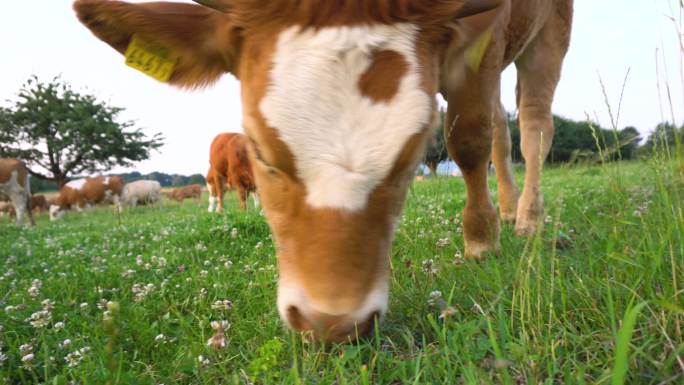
<point x="291" y="294"/>
<point x="76" y="184"/>
<point x="344" y="143"/>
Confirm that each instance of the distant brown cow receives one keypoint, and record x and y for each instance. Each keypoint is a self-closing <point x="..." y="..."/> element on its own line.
<point x="14" y="182"/>
<point x="182" y="193"/>
<point x="38" y="205"/>
<point x="82" y="193"/>
<point x="229" y="167"/>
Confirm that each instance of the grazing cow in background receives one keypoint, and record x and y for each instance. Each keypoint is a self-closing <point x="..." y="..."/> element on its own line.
<point x="141" y="192"/>
<point x="15" y="183"/>
<point x="39" y="204"/>
<point x="218" y="181"/>
<point x="230" y="168"/>
<point x="338" y="101"/>
<point x="83" y="193"/>
<point x="182" y="193"/>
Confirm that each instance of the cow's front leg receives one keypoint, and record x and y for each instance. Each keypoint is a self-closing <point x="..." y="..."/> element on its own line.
<point x="469" y="141"/>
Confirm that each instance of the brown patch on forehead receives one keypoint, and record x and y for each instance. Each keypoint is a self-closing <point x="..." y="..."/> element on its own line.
<point x="381" y="80"/>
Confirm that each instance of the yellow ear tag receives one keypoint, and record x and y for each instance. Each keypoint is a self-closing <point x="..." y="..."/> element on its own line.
<point x="474" y="54"/>
<point x="151" y="59"/>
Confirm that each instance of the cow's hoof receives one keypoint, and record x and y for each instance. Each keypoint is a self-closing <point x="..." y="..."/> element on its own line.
<point x="508" y="217"/>
<point x="526" y="228"/>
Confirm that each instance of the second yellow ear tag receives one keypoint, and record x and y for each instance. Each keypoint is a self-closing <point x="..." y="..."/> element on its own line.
<point x="474" y="54"/>
<point x="151" y="59"/>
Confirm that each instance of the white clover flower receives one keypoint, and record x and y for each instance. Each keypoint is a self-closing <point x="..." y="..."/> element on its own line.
<point x="48" y="304"/>
<point x="442" y="242"/>
<point x="228" y="264"/>
<point x="160" y="338"/>
<point x="204" y="273"/>
<point x="234" y="233"/>
<point x="222" y="305"/>
<point x="429" y="267"/>
<point x="3" y="358"/>
<point x="33" y="291"/>
<point x="40" y="319"/>
<point x="161" y="262"/>
<point x="27" y="359"/>
<point x="83" y="305"/>
<point x="435" y="298"/>
<point x="59" y="325"/>
<point x="204" y="361"/>
<point x="65" y="343"/>
<point x="25" y="349"/>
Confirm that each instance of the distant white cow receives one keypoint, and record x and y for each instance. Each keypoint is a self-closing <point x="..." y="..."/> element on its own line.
<point x="141" y="192"/>
<point x="14" y="182"/>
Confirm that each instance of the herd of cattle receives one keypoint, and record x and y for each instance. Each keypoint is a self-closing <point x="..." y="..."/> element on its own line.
<point x="229" y="168"/>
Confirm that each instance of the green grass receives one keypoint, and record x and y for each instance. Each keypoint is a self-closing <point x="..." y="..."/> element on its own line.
<point x="596" y="297"/>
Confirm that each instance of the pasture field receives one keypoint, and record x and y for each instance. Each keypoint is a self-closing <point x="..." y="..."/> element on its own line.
<point x="596" y="297"/>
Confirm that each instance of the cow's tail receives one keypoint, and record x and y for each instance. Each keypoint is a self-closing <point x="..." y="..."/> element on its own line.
<point x="27" y="191"/>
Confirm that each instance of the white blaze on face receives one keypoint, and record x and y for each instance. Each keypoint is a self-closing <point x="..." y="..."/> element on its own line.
<point x="344" y="143"/>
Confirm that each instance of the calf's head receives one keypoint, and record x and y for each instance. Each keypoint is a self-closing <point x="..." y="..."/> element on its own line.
<point x="338" y="99"/>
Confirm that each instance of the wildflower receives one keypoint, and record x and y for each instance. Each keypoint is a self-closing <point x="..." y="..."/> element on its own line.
<point x="25" y="349"/>
<point x="3" y="358"/>
<point x="65" y="343"/>
<point x="83" y="305"/>
<point x="161" y="262"/>
<point x="228" y="264"/>
<point x="27" y="359"/>
<point x="259" y="245"/>
<point x="33" y="291"/>
<point x="429" y="267"/>
<point x="40" y="319"/>
<point x="59" y="325"/>
<point x="218" y="340"/>
<point x="435" y="298"/>
<point x="48" y="304"/>
<point x="442" y="242"/>
<point x="138" y="260"/>
<point x="234" y="233"/>
<point x="161" y="338"/>
<point x="204" y="273"/>
<point x="222" y="305"/>
<point x="458" y="258"/>
<point x="128" y="273"/>
<point x="204" y="361"/>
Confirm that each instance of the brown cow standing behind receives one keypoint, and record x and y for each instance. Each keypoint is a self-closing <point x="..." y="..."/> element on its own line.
<point x="14" y="182"/>
<point x="182" y="193"/>
<point x="82" y="193"/>
<point x="39" y="204"/>
<point x="229" y="168"/>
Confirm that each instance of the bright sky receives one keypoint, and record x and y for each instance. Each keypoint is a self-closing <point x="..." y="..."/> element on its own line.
<point x="43" y="37"/>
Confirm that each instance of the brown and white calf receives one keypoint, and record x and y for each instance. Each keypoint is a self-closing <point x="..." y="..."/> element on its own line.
<point x="338" y="101"/>
<point x="80" y="194"/>
<point x="230" y="168"/>
<point x="15" y="183"/>
<point x="182" y="193"/>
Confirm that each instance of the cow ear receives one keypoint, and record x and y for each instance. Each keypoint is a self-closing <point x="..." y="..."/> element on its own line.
<point x="202" y="43"/>
<point x="476" y="17"/>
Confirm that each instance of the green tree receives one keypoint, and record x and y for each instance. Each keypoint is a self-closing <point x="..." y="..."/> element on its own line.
<point x="436" y="148"/>
<point x="61" y="133"/>
<point x="666" y="136"/>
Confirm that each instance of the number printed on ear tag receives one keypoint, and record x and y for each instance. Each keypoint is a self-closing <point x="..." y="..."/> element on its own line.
<point x="151" y="59"/>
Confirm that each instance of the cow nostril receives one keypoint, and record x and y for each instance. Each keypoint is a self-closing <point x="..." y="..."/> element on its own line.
<point x="297" y="319"/>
